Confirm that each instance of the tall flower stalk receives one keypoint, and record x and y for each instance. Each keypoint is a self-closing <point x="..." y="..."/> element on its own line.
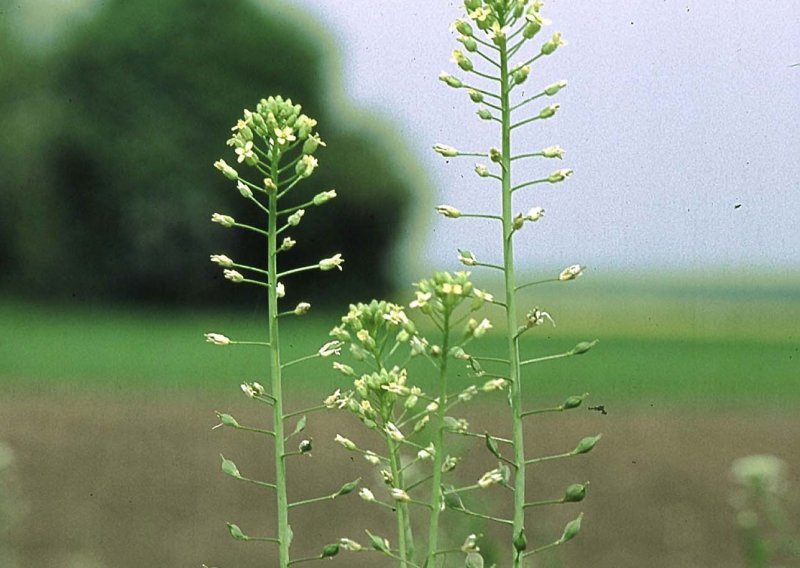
<point x="279" y="143"/>
<point x="504" y="29"/>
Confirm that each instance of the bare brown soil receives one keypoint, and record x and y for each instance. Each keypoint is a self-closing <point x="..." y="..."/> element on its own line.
<point x="129" y="481"/>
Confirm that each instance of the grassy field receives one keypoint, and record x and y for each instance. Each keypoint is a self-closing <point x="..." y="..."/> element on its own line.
<point x="682" y="342"/>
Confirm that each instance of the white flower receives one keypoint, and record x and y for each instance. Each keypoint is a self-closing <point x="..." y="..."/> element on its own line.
<point x="245" y="152"/>
<point x="331" y="348"/>
<point x="571" y="272"/>
<point x="372" y="458"/>
<point x="553" y="152"/>
<point x="350" y="545"/>
<point x="534" y="214"/>
<point x="302" y="308"/>
<point x="426" y="453"/>
<point x="482" y="328"/>
<point x="284" y="135"/>
<point x="537" y="317"/>
<point x="482" y="170"/>
<point x="221" y="260"/>
<point x="333" y="399"/>
<point x="418" y="345"/>
<point x="280" y="290"/>
<point x="288" y="243"/>
<point x="468" y="393"/>
<point x="345" y="442"/>
<point x="399" y="495"/>
<point x="217" y="339"/>
<point x="306" y="166"/>
<point x="394" y="432"/>
<point x="252" y="389"/>
<point x="490" y="478"/>
<point x="233" y="275"/>
<point x="482" y="295"/>
<point x="433" y="406"/>
<point x="422" y="299"/>
<point x="330" y="263"/>
<point x="494" y="384"/>
<point x="366" y="494"/>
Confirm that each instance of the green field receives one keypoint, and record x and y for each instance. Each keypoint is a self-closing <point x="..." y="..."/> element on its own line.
<point x="678" y="342"/>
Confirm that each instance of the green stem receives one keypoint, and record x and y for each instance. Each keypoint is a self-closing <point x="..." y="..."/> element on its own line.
<point x="275" y="375"/>
<point x="511" y="309"/>
<point x="405" y="540"/>
<point x="438" y="445"/>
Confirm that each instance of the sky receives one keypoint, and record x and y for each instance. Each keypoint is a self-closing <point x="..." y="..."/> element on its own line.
<point x="680" y="121"/>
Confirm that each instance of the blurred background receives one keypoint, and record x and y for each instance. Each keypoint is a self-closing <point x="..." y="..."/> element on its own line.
<point x="680" y="121"/>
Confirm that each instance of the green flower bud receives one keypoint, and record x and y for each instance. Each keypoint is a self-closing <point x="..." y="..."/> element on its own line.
<point x="583" y="347"/>
<point x="585" y="446"/>
<point x="312" y="143"/>
<point x="520" y="542"/>
<point x="348" y="487"/>
<point x="531" y="29"/>
<point x="226" y="170"/>
<point x="551" y="90"/>
<point x="559" y="175"/>
<point x="324" y="197"/>
<point x="227" y="420"/>
<point x="448" y="211"/>
<point x="444" y="150"/>
<point x="518" y="221"/>
<point x="463" y="27"/>
<point x="462" y="61"/>
<point x="550" y="46"/>
<point x="549" y="111"/>
<point x="484" y="114"/>
<point x="451" y="81"/>
<point x="378" y="543"/>
<point x="575" y="493"/>
<point x="469" y="44"/>
<point x="472" y="4"/>
<point x="229" y="468"/>
<point x="520" y="75"/>
<point x="330" y="550"/>
<point x="225" y="220"/>
<point x="475" y="96"/>
<point x="572" y="529"/>
<point x="236" y="532"/>
<point x="495" y="155"/>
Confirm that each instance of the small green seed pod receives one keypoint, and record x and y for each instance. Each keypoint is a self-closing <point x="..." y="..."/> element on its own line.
<point x="572" y="529"/>
<point x="520" y="541"/>
<point x="330" y="550"/>
<point x="585" y="446"/>
<point x="236" y="532"/>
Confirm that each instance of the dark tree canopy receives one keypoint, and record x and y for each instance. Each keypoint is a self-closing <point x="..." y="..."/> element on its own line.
<point x="113" y="191"/>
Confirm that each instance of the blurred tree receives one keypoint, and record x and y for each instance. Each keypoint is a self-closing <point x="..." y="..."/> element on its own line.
<point x="112" y="189"/>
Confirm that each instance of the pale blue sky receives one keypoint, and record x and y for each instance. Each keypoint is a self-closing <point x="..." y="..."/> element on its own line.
<point x="675" y="112"/>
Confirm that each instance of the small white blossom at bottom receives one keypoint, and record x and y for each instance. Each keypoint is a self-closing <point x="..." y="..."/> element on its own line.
<point x="280" y="290"/>
<point x="366" y="495"/>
